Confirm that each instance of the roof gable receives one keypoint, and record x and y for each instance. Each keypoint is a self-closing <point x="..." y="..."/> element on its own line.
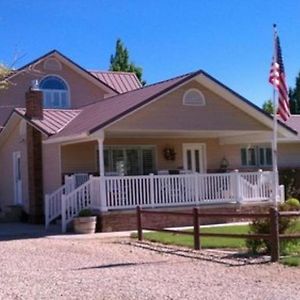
<point x="77" y="68"/>
<point x="102" y="114"/>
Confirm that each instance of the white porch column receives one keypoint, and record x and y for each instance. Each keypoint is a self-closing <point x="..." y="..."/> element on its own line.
<point x="103" y="206"/>
<point x="101" y="156"/>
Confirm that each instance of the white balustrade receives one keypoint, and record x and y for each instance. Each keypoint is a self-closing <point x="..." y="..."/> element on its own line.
<point x="127" y="192"/>
<point x="74" y="202"/>
<point x="53" y="201"/>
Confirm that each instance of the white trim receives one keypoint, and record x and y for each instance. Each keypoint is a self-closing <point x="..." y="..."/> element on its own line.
<point x="202" y="153"/>
<point x="193" y="104"/>
<point x="17" y="178"/>
<point x="52" y="59"/>
<point x="69" y="104"/>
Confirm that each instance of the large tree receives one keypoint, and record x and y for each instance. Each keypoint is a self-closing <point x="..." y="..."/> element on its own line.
<point x="268" y="106"/>
<point x="294" y="94"/>
<point x="120" y="62"/>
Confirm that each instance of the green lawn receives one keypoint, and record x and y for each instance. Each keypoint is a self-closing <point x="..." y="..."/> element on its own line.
<point x="213" y="242"/>
<point x="206" y="242"/>
<point x="292" y="261"/>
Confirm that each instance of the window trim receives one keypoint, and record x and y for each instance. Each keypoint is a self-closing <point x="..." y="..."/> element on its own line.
<point x="257" y="156"/>
<point x="193" y="104"/>
<point x="67" y="91"/>
<point x="139" y="147"/>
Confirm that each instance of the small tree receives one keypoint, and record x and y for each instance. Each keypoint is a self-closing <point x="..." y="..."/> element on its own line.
<point x="120" y="62"/>
<point x="4" y="72"/>
<point x="268" y="106"/>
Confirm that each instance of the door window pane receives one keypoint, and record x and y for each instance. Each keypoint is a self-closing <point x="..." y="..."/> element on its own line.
<point x="132" y="162"/>
<point x="261" y="156"/>
<point x="197" y="161"/>
<point x="189" y="159"/>
<point x="244" y="157"/>
<point x="148" y="161"/>
<point x="251" y="157"/>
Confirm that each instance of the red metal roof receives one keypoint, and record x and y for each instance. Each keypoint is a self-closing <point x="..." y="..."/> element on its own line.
<point x="101" y="113"/>
<point x="122" y="82"/>
<point x="54" y="119"/>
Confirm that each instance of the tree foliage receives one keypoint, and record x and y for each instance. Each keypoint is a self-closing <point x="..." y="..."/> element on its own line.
<point x="120" y="62"/>
<point x="294" y="94"/>
<point x="268" y="106"/>
<point x="4" y="72"/>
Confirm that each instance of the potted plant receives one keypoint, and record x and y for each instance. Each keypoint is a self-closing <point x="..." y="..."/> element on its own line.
<point x="85" y="222"/>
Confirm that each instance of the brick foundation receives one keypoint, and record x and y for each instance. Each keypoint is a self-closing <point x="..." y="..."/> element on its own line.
<point x="126" y="220"/>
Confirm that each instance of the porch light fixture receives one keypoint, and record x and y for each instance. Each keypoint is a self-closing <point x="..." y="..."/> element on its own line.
<point x="169" y="153"/>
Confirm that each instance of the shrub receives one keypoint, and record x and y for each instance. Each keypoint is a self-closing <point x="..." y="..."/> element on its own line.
<point x="85" y="213"/>
<point x="286" y="225"/>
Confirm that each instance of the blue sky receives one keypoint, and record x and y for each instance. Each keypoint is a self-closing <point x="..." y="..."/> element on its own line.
<point x="231" y="40"/>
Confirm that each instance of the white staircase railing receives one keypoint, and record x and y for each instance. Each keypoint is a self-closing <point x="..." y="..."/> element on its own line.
<point x="256" y="186"/>
<point x="75" y="201"/>
<point x="53" y="201"/>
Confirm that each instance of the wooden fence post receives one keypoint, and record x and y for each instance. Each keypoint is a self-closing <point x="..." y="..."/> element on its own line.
<point x="274" y="232"/>
<point x="196" y="229"/>
<point x="139" y="223"/>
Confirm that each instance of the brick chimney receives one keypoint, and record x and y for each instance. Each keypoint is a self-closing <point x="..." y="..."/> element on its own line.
<point x="34" y="102"/>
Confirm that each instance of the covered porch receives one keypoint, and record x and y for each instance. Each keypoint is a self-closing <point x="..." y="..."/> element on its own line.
<point x="113" y="173"/>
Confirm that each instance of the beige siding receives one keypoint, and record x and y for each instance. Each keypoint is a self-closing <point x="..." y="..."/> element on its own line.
<point x="169" y="113"/>
<point x="15" y="142"/>
<point x="82" y="91"/>
<point x="51" y="167"/>
<point x="289" y="155"/>
<point x="77" y="158"/>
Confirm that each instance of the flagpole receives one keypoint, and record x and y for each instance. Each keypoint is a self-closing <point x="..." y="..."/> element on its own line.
<point x="274" y="140"/>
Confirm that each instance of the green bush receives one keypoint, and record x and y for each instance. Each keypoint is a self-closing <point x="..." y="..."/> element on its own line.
<point x="85" y="213"/>
<point x="286" y="225"/>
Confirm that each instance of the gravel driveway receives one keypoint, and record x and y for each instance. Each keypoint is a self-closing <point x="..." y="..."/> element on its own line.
<point x="83" y="268"/>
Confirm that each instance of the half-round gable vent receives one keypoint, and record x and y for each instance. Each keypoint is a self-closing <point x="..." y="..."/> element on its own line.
<point x="52" y="64"/>
<point x="193" y="97"/>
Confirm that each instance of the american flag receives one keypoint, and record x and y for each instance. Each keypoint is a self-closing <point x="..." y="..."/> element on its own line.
<point x="277" y="79"/>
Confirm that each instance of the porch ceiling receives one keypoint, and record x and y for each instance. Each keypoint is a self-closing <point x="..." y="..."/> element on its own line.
<point x="226" y="136"/>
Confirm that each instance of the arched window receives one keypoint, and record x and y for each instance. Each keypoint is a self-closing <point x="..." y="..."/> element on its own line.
<point x="193" y="97"/>
<point x="56" y="92"/>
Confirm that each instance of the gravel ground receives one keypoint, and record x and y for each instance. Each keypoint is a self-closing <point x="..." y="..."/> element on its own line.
<point x="76" y="268"/>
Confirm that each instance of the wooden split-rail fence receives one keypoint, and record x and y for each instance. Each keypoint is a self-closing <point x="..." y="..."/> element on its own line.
<point x="274" y="237"/>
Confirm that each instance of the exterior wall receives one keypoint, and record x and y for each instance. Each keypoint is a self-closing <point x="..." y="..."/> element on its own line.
<point x="214" y="152"/>
<point x="82" y="91"/>
<point x="169" y="113"/>
<point x="15" y="142"/>
<point x="289" y="155"/>
<point x="79" y="158"/>
<point x="52" y="168"/>
<point x="76" y="158"/>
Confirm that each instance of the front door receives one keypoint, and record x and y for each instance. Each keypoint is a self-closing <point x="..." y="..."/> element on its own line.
<point x="17" y="177"/>
<point x="194" y="157"/>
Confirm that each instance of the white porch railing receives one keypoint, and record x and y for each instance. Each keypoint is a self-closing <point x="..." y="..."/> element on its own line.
<point x="127" y="192"/>
<point x="53" y="201"/>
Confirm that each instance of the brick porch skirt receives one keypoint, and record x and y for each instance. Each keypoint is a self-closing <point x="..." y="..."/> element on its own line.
<point x="126" y="220"/>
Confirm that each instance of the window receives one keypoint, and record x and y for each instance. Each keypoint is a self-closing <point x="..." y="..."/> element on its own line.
<point x="256" y="156"/>
<point x="129" y="160"/>
<point x="193" y="97"/>
<point x="56" y="92"/>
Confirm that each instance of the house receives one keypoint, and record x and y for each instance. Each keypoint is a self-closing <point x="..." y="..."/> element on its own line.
<point x="73" y="138"/>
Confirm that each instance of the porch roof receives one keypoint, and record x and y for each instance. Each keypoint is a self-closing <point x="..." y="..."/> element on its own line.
<point x="100" y="114"/>
<point x="54" y="120"/>
<point x="97" y="115"/>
